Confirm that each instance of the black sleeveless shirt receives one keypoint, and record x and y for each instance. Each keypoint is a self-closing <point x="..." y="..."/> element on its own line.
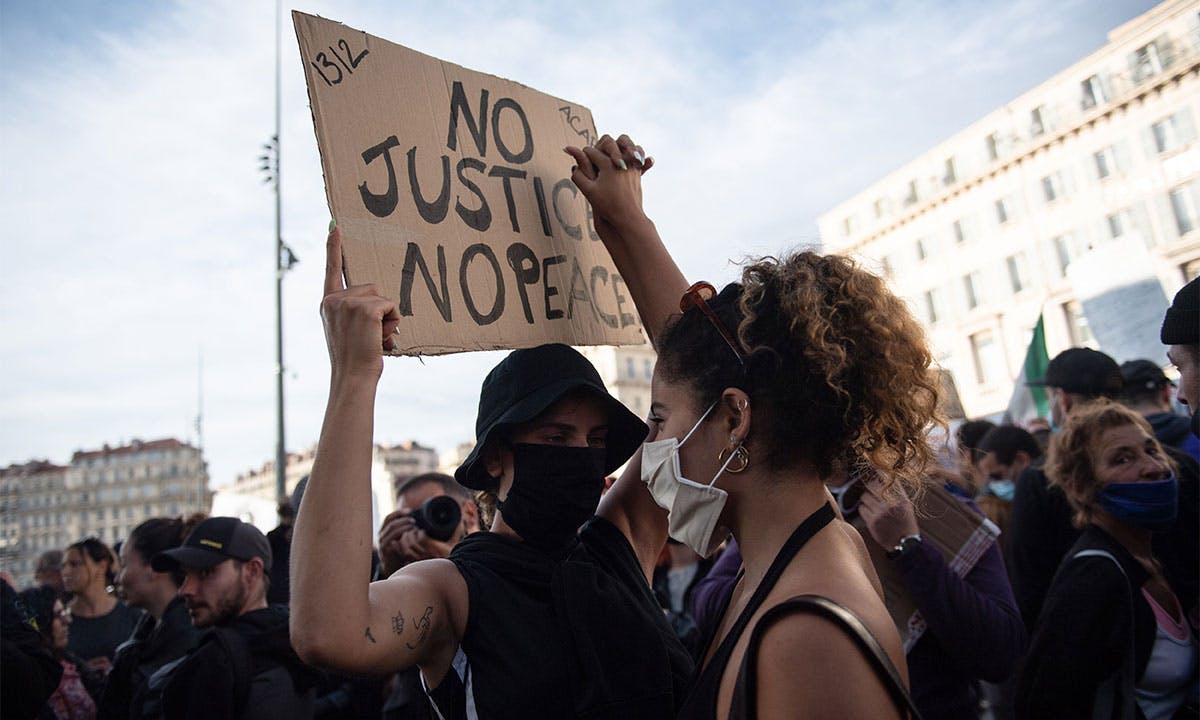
<point x="701" y="704"/>
<point x="578" y="635"/>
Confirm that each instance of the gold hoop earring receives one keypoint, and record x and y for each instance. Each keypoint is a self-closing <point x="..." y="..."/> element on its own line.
<point x="741" y="459"/>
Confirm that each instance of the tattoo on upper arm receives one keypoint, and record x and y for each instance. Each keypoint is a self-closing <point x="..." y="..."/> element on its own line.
<point x="398" y="623"/>
<point x="368" y="635"/>
<point x="422" y="626"/>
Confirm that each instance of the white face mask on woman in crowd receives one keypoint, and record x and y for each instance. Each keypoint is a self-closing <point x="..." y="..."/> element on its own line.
<point x="692" y="508"/>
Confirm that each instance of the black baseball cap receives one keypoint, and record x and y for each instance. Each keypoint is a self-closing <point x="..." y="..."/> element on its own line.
<point x="1083" y="371"/>
<point x="1143" y="374"/>
<point x="214" y="541"/>
<point x="524" y="385"/>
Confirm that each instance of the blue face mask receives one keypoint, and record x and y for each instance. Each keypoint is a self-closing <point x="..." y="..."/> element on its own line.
<point x="1149" y="505"/>
<point x="1003" y="489"/>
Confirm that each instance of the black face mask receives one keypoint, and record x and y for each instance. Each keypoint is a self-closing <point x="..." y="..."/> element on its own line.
<point x="555" y="490"/>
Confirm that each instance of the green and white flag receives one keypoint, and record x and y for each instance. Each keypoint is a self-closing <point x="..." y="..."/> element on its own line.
<point x="1028" y="402"/>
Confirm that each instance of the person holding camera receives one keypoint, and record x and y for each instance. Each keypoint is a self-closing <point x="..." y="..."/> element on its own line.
<point x="433" y="512"/>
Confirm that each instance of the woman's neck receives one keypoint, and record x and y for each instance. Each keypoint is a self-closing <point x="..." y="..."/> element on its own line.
<point x="767" y="512"/>
<point x="92" y="602"/>
<point x="157" y="606"/>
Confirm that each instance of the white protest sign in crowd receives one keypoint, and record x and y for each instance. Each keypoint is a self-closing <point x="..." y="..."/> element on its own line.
<point x="454" y="197"/>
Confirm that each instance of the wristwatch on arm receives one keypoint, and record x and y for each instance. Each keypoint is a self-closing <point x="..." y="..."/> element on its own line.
<point x="904" y="546"/>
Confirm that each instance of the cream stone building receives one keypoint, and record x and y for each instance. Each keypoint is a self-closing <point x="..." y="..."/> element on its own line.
<point x="1096" y="167"/>
<point x="105" y="493"/>
<point x="626" y="371"/>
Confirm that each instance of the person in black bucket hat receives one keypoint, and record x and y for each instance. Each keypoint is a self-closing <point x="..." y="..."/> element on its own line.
<point x="524" y="385"/>
<point x="549" y="612"/>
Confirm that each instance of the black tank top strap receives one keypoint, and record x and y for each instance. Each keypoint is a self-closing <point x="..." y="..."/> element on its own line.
<point x="703" y="699"/>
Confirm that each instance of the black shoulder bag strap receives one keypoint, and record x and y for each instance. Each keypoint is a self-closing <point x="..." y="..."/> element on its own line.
<point x="1115" y="696"/>
<point x="745" y="695"/>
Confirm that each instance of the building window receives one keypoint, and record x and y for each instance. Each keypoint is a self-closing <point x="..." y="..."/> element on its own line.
<point x="630" y="370"/>
<point x="1037" y="120"/>
<point x="949" y="176"/>
<point x="880" y="207"/>
<point x="1146" y="62"/>
<point x="1077" y="324"/>
<point x="1191" y="270"/>
<point x="993" y="146"/>
<point x="648" y="368"/>
<point x="1117" y="225"/>
<point x="1184" y="207"/>
<point x="931" y="306"/>
<point x="1171" y="132"/>
<point x="885" y="264"/>
<point x="922" y="251"/>
<point x="960" y="234"/>
<point x="848" y="226"/>
<point x="1001" y="211"/>
<point x="1093" y="93"/>
<point x="971" y="289"/>
<point x="1105" y="163"/>
<point x="1052" y="187"/>
<point x="1018" y="273"/>
<point x="986" y="357"/>
<point x="912" y="196"/>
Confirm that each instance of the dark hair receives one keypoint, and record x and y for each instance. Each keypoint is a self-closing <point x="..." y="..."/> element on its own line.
<point x="836" y="366"/>
<point x="158" y="534"/>
<point x="970" y="433"/>
<point x="94" y="548"/>
<point x="448" y="484"/>
<point x="38" y="604"/>
<point x="1005" y="441"/>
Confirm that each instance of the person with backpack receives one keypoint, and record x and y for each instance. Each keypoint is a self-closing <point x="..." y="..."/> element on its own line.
<point x="245" y="667"/>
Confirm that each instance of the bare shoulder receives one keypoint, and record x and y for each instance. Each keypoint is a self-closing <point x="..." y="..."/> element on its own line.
<point x="837" y="682"/>
<point x="855" y="538"/>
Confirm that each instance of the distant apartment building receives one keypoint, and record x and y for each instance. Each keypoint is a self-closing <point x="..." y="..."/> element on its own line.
<point x="260" y="482"/>
<point x="105" y="493"/>
<point x="979" y="233"/>
<point x="626" y="371"/>
<point x="251" y="496"/>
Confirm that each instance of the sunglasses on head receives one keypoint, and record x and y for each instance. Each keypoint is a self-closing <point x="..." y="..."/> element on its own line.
<point x="698" y="296"/>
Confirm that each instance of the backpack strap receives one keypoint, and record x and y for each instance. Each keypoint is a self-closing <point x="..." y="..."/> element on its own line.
<point x="238" y="652"/>
<point x="1115" y="696"/>
<point x="745" y="693"/>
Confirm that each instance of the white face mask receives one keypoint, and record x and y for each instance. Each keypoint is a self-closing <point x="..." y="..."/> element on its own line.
<point x="692" y="508"/>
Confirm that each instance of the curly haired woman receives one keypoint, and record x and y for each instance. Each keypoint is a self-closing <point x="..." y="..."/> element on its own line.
<point x="759" y="391"/>
<point x="1112" y="639"/>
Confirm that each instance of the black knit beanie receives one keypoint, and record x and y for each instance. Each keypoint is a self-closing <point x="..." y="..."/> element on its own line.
<point x="1181" y="325"/>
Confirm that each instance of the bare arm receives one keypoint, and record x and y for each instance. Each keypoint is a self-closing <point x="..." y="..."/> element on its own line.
<point x="653" y="278"/>
<point x="338" y="619"/>
<point x="630" y="507"/>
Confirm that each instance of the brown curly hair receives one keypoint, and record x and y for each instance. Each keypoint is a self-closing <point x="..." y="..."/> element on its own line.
<point x="1070" y="464"/>
<point x="836" y="366"/>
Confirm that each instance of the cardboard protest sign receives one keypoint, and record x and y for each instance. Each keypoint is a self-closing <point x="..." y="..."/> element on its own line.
<point x="454" y="197"/>
<point x="958" y="533"/>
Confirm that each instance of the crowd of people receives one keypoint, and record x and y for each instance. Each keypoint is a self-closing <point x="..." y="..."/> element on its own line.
<point x="747" y="562"/>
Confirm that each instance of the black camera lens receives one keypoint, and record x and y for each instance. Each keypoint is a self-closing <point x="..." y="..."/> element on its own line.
<point x="439" y="517"/>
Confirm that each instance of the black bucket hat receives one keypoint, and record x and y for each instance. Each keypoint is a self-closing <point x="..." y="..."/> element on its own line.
<point x="524" y="385"/>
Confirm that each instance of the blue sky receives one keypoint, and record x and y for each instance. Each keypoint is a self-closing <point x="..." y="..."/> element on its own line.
<point x="139" y="235"/>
